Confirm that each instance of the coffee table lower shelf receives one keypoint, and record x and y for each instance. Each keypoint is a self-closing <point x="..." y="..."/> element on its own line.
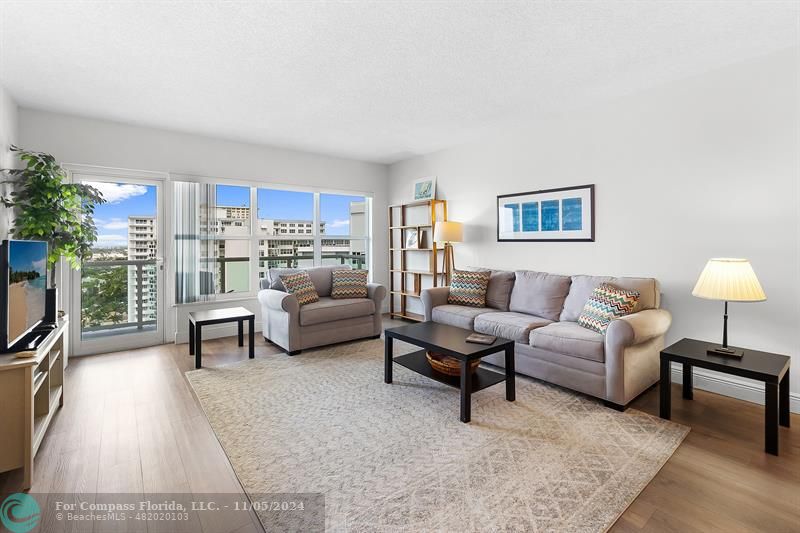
<point x="417" y="362"/>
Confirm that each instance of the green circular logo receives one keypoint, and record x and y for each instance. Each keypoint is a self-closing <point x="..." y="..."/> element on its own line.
<point x="20" y="513"/>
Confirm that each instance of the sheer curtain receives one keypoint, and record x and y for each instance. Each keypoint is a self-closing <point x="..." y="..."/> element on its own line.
<point x="195" y="234"/>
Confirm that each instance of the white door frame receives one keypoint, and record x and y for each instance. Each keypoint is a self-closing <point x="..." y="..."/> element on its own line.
<point x="129" y="341"/>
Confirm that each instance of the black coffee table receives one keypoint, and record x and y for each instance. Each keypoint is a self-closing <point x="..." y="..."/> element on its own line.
<point x="198" y="319"/>
<point x="771" y="368"/>
<point x="450" y="340"/>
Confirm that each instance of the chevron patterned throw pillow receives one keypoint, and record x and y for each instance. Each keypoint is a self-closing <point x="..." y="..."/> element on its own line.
<point x="349" y="284"/>
<point x="607" y="303"/>
<point x="300" y="285"/>
<point x="469" y="288"/>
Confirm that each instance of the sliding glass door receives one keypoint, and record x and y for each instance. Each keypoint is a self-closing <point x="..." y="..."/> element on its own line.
<point x="117" y="295"/>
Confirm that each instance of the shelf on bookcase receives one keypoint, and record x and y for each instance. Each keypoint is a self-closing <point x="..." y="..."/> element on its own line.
<point x="402" y="293"/>
<point x="409" y="316"/>
<point x="412" y="226"/>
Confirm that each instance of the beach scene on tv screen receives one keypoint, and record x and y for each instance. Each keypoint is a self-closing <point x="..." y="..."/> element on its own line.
<point x="27" y="277"/>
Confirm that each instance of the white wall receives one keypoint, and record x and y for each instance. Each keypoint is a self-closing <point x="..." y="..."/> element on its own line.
<point x="700" y="168"/>
<point x="86" y="141"/>
<point x="8" y="136"/>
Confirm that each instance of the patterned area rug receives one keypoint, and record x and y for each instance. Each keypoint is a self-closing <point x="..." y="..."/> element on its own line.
<point x="396" y="458"/>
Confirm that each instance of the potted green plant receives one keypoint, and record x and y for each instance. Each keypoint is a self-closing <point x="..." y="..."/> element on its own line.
<point x="50" y="208"/>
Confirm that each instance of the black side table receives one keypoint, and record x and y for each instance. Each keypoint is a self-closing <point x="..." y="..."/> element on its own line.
<point x="772" y="369"/>
<point x="198" y="319"/>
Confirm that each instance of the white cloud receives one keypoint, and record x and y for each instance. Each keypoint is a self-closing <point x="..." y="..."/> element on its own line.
<point x="40" y="265"/>
<point x="338" y="223"/>
<point x="117" y="192"/>
<point x="112" y="240"/>
<point x="114" y="223"/>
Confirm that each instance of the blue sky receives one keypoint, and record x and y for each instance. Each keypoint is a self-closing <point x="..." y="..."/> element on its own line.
<point x="273" y="203"/>
<point x="124" y="199"/>
<point x="335" y="210"/>
<point x="233" y="196"/>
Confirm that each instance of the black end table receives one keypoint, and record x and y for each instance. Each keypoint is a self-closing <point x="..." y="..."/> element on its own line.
<point x="772" y="369"/>
<point x="451" y="341"/>
<point x="198" y="319"/>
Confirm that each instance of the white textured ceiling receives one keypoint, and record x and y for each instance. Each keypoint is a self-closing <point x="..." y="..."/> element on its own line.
<point x="378" y="81"/>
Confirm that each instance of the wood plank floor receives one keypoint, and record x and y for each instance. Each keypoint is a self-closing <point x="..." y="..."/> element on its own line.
<point x="131" y="423"/>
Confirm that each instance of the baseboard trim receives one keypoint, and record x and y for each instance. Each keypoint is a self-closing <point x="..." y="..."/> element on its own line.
<point x="739" y="388"/>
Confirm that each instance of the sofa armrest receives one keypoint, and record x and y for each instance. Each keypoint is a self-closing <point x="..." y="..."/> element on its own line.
<point x="376" y="292"/>
<point x="433" y="297"/>
<point x="633" y="343"/>
<point x="279" y="301"/>
<point x="637" y="328"/>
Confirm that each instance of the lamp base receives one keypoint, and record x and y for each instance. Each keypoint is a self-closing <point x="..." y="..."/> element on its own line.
<point x="726" y="352"/>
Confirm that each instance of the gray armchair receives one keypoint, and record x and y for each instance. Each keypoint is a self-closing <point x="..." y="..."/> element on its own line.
<point x="327" y="321"/>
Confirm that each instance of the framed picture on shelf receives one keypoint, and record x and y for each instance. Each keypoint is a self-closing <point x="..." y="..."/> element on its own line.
<point x="412" y="238"/>
<point x="555" y="215"/>
<point x="425" y="189"/>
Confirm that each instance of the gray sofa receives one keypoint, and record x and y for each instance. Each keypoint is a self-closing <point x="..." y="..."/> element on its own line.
<point x="294" y="328"/>
<point x="540" y="312"/>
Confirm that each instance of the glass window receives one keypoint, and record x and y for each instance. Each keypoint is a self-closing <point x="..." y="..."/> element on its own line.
<point x="279" y="209"/>
<point x="280" y="213"/>
<point x="343" y="215"/>
<point x="232" y="266"/>
<point x="238" y="247"/>
<point x="232" y="208"/>
<point x="124" y="257"/>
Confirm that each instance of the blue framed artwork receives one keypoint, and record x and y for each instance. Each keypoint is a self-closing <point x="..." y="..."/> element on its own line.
<point x="564" y="214"/>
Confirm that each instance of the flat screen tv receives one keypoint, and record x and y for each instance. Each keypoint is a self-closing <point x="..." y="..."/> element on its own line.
<point x="24" y="269"/>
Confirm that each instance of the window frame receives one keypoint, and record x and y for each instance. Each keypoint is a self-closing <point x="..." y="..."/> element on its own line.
<point x="255" y="236"/>
<point x="248" y="237"/>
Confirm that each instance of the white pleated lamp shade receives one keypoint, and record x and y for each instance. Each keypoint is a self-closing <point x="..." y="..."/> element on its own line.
<point x="732" y="280"/>
<point x="447" y="231"/>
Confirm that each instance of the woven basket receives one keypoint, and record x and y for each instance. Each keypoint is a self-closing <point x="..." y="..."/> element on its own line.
<point x="449" y="365"/>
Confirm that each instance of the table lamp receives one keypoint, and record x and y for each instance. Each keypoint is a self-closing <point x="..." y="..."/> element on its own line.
<point x="448" y="232"/>
<point x="729" y="280"/>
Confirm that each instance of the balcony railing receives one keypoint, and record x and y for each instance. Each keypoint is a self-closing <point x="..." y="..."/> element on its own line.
<point x="109" y="289"/>
<point x="113" y="304"/>
<point x="356" y="261"/>
<point x="219" y="272"/>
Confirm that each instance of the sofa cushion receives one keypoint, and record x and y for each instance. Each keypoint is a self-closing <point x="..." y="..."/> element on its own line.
<point x="469" y="288"/>
<point x="569" y="338"/>
<point x="539" y="293"/>
<point x="328" y="309"/>
<point x="460" y="316"/>
<point x="300" y="286"/>
<point x="349" y="284"/>
<point x="498" y="293"/>
<point x="514" y="326"/>
<point x="582" y="287"/>
<point x="607" y="303"/>
<point x="320" y="277"/>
